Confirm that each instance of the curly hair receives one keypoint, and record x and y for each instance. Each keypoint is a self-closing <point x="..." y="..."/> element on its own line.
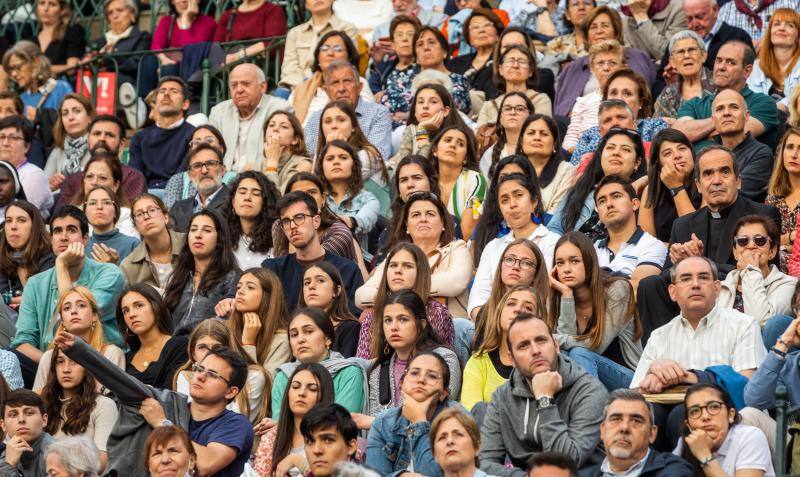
<point x="355" y="183"/>
<point x="77" y="410"/>
<point x="261" y="235"/>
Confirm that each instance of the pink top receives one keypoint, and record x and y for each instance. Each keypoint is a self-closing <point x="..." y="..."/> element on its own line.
<point x="202" y="29"/>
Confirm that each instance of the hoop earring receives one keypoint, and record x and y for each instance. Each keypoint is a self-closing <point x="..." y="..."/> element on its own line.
<point x="535" y="218"/>
<point x="128" y="331"/>
<point x="386" y="348"/>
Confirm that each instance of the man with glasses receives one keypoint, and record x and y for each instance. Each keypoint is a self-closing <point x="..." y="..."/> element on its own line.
<point x="16" y="135"/>
<point x="222" y="439"/>
<point x="158" y="151"/>
<point x="300" y="220"/>
<point x="548" y="404"/>
<point x="206" y="170"/>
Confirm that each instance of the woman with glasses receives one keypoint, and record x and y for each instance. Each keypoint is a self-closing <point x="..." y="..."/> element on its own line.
<point x="687" y="54"/>
<point x="424" y="385"/>
<point x="284" y="148"/>
<point x="249" y="213"/>
<point x="106" y="243"/>
<point x="253" y="400"/>
<point x="515" y="71"/>
<point x="402" y="30"/>
<point x="514" y="108"/>
<point x="433" y="110"/>
<point x="593" y="313"/>
<point x="756" y="287"/>
<point x="25" y="250"/>
<point x="106" y="170"/>
<point x="714" y="441"/>
<point x="71" y="136"/>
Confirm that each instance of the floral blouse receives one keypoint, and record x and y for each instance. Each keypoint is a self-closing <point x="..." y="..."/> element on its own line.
<point x="788" y="223"/>
<point x="398" y="94"/>
<point x="669" y="101"/>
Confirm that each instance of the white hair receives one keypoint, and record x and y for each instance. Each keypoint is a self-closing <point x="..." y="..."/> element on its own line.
<point x="686" y="35"/>
<point x="129" y="4"/>
<point x="78" y="455"/>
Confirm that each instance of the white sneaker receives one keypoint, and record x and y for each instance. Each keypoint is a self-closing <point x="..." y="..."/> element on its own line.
<point x="134" y="107"/>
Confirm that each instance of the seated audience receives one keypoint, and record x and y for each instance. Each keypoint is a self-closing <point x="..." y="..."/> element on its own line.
<point x="78" y="313"/>
<point x="250" y="20"/>
<point x="425" y="383"/>
<point x="490" y="366"/>
<point x="687" y="56"/>
<point x="433" y="110"/>
<point x="311" y="334"/>
<point x="323" y="288"/>
<point x="476" y="39"/>
<point x="628" y="431"/>
<point x="572" y="44"/>
<point x="154" y="259"/>
<point x="10" y="187"/>
<point x="394" y="52"/>
<point x="670" y="191"/>
<point x="25" y="250"/>
<point x="34" y="329"/>
<point x="330" y="435"/>
<point x="75" y="456"/>
<point x="250" y="214"/>
<point x="38" y="87"/>
<point x="16" y="135"/>
<point x="104" y="170"/>
<point x="71" y="139"/>
<point x="516" y="35"/>
<point x="154" y="354"/>
<point x="406" y="268"/>
<point x="753" y="18"/>
<point x="593" y="313"/>
<point x="282" y="447"/>
<point x="568" y="403"/>
<point x="168" y="450"/>
<point x="551" y="464"/>
<point x="184" y="25"/>
<point x="24" y="425"/>
<point x="206" y="171"/>
<point x="284" y="149"/>
<point x="455" y="442"/>
<point x="715" y="440"/>
<point x="426" y="17"/>
<point x="513" y="111"/>
<point x="629" y="251"/>
<point x="62" y="40"/>
<point x="413" y="173"/>
<point x="649" y="26"/>
<point x="158" y="151"/>
<point x="784" y="191"/>
<point x="539" y="18"/>
<point x="74" y="407"/>
<point x="205" y="272"/>
<point x="778" y="368"/>
<point x="106" y="243"/>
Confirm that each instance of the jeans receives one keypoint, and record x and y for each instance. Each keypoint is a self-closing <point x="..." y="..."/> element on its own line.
<point x="612" y="375"/>
<point x="464" y="330"/>
<point x="774" y="328"/>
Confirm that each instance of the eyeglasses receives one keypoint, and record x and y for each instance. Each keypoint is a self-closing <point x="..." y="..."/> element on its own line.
<point x="10" y="138"/>
<point x="208" y="140"/>
<point x="713" y="408"/>
<point x="516" y="61"/>
<point x="297" y="220"/>
<point x="198" y="166"/>
<point x="606" y="63"/>
<point x="15" y="68"/>
<point x="417" y="375"/>
<point x="149" y="212"/>
<point x="200" y="369"/>
<point x="102" y="203"/>
<point x="691" y="51"/>
<point x="326" y="48"/>
<point x="524" y="263"/>
<point x="515" y="109"/>
<point x="744" y="240"/>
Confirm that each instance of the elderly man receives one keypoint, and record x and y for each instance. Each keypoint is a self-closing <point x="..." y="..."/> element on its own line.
<point x="733" y="65"/>
<point x="206" y="169"/>
<point x="342" y="83"/>
<point x="158" y="151"/>
<point x="627" y="431"/>
<point x="241" y="118"/>
<point x="730" y="115"/>
<point x="16" y="135"/>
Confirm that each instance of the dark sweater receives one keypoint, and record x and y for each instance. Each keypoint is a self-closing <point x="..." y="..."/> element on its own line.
<point x="755" y="166"/>
<point x="159" y="153"/>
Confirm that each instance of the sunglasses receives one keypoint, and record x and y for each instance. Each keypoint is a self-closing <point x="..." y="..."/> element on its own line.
<point x="744" y="240"/>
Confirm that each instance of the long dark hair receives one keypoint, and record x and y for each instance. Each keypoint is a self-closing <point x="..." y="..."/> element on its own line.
<point x="427" y="168"/>
<point x="356" y="182"/>
<point x="400" y="226"/>
<point x="489" y="224"/>
<point x="261" y="236"/>
<point x="340" y="308"/>
<point x="320" y="319"/>
<point x="472" y="159"/>
<point x="222" y="262"/>
<point x="160" y="312"/>
<point x="427" y="338"/>
<point x="657" y="192"/>
<point x="38" y="244"/>
<point x="285" y="430"/>
<point x="556" y="158"/>
<point x="686" y="453"/>
<point x="422" y="283"/>
<point x="594" y="172"/>
<point x="352" y="51"/>
<point x="452" y="119"/>
<point x="78" y="410"/>
<point x="500" y="131"/>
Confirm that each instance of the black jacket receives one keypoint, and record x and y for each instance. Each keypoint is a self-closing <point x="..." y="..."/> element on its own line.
<point x="659" y="464"/>
<point x="182" y="211"/>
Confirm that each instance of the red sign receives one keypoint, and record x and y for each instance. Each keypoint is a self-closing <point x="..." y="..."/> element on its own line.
<point x="106" y="89"/>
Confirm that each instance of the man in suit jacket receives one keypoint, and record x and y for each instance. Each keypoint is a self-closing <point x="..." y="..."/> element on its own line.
<point x="706" y="232"/>
<point x="701" y="15"/>
<point x="206" y="170"/>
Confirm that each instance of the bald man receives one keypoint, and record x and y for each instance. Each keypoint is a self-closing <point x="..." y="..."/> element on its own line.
<point x="241" y="118"/>
<point x="730" y="115"/>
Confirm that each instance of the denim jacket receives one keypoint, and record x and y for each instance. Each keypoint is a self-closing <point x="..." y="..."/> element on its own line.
<point x="760" y="82"/>
<point x="196" y="307"/>
<point x="393" y="443"/>
<point x="555" y="224"/>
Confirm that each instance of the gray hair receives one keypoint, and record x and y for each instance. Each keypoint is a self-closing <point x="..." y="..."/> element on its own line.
<point x="687" y="35"/>
<point x="427" y="77"/>
<point x="339" y="64"/>
<point x="711" y="148"/>
<point x="625" y="394"/>
<point x="78" y="455"/>
<point x="607" y="104"/>
<point x="351" y="469"/>
<point x="262" y="78"/>
<point x="673" y="271"/>
<point x="29" y="52"/>
<point x="129" y="4"/>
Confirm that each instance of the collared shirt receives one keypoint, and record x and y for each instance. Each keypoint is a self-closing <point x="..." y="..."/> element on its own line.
<point x="174" y="125"/>
<point x="633" y="471"/>
<point x="670" y="100"/>
<point x="640" y="249"/>
<point x="723" y="337"/>
<point x="374" y="119"/>
<point x="711" y="34"/>
<point x="745" y="447"/>
<point x="733" y="17"/>
<point x="198" y="204"/>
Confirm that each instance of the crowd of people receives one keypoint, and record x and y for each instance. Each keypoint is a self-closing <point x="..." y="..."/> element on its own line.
<point x="452" y="238"/>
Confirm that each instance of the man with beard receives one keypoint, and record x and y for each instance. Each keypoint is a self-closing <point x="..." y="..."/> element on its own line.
<point x="206" y="170"/>
<point x="106" y="135"/>
<point x="627" y="431"/>
<point x="158" y="151"/>
<point x="549" y="403"/>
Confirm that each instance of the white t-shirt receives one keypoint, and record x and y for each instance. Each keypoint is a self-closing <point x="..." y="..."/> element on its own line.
<point x="745" y="448"/>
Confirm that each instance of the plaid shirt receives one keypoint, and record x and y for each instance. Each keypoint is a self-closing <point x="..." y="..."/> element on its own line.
<point x="374" y="119"/>
<point x="733" y="17"/>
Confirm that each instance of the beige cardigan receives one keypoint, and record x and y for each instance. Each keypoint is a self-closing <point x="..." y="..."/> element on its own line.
<point x="450" y="276"/>
<point x="763" y="297"/>
<point x="557" y="189"/>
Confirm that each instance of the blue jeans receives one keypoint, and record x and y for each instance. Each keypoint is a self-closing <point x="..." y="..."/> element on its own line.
<point x="611" y="374"/>
<point x="774" y="328"/>
<point x="464" y="330"/>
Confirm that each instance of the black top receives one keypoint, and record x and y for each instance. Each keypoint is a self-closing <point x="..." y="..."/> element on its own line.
<point x="481" y="79"/>
<point x="346" y="340"/>
<point x="160" y="373"/>
<point x="665" y="213"/>
<point x="502" y="369"/>
<point x="72" y="45"/>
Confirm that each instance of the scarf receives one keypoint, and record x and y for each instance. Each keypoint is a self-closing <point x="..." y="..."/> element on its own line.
<point x="75" y="149"/>
<point x="655" y="7"/>
<point x="744" y="8"/>
<point x="112" y="38"/>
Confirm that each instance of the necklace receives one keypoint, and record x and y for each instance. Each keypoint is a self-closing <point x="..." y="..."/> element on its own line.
<point x="147" y="355"/>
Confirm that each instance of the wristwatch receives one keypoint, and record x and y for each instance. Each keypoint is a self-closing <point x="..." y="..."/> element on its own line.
<point x="704" y="463"/>
<point x="677" y="190"/>
<point x="166" y="422"/>
<point x="539" y="10"/>
<point x="544" y="401"/>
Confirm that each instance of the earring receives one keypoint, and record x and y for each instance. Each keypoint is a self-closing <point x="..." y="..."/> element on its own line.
<point x="504" y="228"/>
<point x="535" y="218"/>
<point x="127" y="331"/>
<point x="386" y="349"/>
<point x="94" y="324"/>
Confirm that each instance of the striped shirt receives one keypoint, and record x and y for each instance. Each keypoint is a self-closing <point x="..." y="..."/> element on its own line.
<point x="723" y="337"/>
<point x="729" y="14"/>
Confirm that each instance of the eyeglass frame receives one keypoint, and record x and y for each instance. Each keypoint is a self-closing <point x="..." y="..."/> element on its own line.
<point x="706" y="407"/>
<point x="209" y="164"/>
<point x="754" y="239"/>
<point x="198" y="368"/>
<point x="516" y="260"/>
<point x="286" y="222"/>
<point x="146" y="212"/>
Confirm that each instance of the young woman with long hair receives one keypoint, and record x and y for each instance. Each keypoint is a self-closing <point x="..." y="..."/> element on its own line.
<point x="71" y="138"/>
<point x="593" y="314"/>
<point x="776" y="72"/>
<point x="250" y="213"/>
<point x="433" y="109"/>
<point x="514" y="108"/>
<point x="25" y="250"/>
<point x="281" y="448"/>
<point x="323" y="288"/>
<point x="784" y="190"/>
<point x="284" y="148"/>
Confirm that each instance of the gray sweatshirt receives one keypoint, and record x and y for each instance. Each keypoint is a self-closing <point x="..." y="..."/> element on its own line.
<point x="32" y="463"/>
<point x="514" y="426"/>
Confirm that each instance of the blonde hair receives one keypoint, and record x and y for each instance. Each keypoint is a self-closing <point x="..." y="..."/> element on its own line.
<point x="606" y="46"/>
<point x="29" y="52"/>
<point x="489" y="331"/>
<point x="96" y="339"/>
